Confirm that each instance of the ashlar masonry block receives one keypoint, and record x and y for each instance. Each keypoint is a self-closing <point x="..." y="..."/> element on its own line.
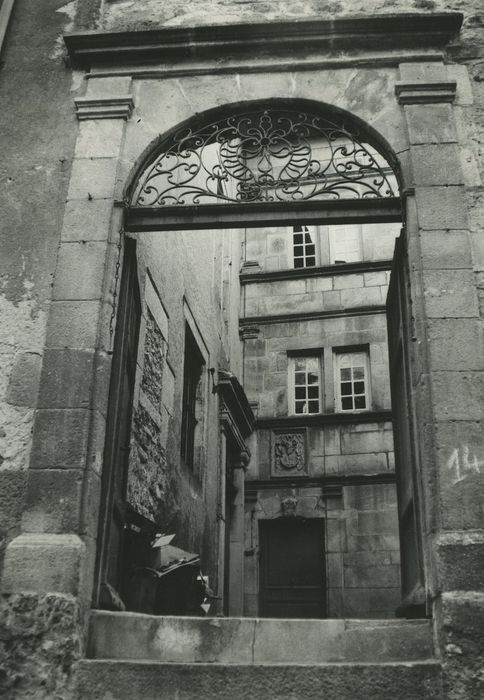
<point x="445" y="250"/>
<point x="456" y="344"/>
<point x="62" y="439"/>
<point x="80" y="270"/>
<point x="459" y="447"/>
<point x="44" y="563"/>
<point x="450" y="294"/>
<point x="75" y="324"/>
<point x="356" y="297"/>
<point x="112" y="85"/>
<point x="441" y="207"/>
<point x="348" y="282"/>
<point x="430" y="124"/>
<point x="99" y="138"/>
<point x="436" y="165"/>
<point x="74" y="379"/>
<point x="87" y="220"/>
<point x="457" y="395"/>
<point x="423" y="72"/>
<point x="92" y="178"/>
<point x="54" y="500"/>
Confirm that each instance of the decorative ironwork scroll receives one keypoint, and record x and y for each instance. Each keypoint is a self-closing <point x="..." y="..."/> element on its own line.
<point x="272" y="155"/>
<point x="289" y="453"/>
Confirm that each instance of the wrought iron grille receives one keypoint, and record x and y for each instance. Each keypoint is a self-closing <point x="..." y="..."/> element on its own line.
<point x="273" y="155"/>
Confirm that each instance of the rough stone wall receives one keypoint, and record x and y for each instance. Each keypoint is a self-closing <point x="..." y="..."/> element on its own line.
<point x="121" y="14"/>
<point x="39" y="646"/>
<point x="186" y="270"/>
<point x="147" y="476"/>
<point x="37" y="134"/>
<point x="152" y="378"/>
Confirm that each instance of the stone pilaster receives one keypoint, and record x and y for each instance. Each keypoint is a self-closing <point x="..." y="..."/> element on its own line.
<point x="59" y="526"/>
<point x="448" y="371"/>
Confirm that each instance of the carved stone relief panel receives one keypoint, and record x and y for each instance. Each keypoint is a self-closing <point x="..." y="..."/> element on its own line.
<point x="288" y="454"/>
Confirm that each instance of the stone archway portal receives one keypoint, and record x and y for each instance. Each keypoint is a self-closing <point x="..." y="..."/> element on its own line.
<point x="276" y="165"/>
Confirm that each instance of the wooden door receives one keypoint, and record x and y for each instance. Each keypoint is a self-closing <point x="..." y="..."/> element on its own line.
<point x="406" y="453"/>
<point x="110" y="565"/>
<point x="292" y="568"/>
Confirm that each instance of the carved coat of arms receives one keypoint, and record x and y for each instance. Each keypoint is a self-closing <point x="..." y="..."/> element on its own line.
<point x="289" y="453"/>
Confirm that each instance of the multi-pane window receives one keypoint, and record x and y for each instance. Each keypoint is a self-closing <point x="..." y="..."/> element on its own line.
<point x="352" y="381"/>
<point x="192" y="375"/>
<point x="345" y="244"/>
<point x="305" y="384"/>
<point x="304" y="246"/>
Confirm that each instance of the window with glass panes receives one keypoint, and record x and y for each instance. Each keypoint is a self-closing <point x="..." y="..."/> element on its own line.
<point x="304" y="246"/>
<point x="305" y="384"/>
<point x="352" y="381"/>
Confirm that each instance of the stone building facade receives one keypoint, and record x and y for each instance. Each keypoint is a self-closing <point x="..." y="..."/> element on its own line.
<point x="102" y="296"/>
<point x="335" y="468"/>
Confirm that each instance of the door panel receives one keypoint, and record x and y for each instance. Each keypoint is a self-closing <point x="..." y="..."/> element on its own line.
<point x="292" y="568"/>
<point x="112" y="524"/>
<point x="406" y="453"/>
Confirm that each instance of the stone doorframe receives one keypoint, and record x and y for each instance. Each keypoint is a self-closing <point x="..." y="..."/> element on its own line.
<point x="406" y="92"/>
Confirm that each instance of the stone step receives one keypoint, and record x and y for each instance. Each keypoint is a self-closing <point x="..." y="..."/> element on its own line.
<point x="128" y="680"/>
<point x="240" y="641"/>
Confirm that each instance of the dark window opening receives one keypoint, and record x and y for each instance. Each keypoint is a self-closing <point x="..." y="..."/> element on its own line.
<point x="304" y="249"/>
<point x="192" y="374"/>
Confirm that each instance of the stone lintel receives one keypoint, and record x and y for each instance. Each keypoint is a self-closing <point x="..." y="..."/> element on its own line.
<point x="388" y="32"/>
<point x="109" y="107"/>
<point x="234" y="400"/>
<point x="425" y="93"/>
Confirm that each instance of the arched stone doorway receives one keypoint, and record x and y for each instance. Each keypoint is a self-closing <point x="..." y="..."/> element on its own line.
<point x="406" y="92"/>
<point x="263" y="164"/>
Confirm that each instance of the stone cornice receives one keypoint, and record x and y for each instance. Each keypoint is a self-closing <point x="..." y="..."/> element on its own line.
<point x="331" y="485"/>
<point x="303" y="272"/>
<point x="234" y="403"/>
<point x="321" y="419"/>
<point x="109" y="107"/>
<point x="425" y="93"/>
<point x="384" y="32"/>
<point x="256" y="321"/>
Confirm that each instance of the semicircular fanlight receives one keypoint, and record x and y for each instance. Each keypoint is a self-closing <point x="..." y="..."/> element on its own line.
<point x="264" y="155"/>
